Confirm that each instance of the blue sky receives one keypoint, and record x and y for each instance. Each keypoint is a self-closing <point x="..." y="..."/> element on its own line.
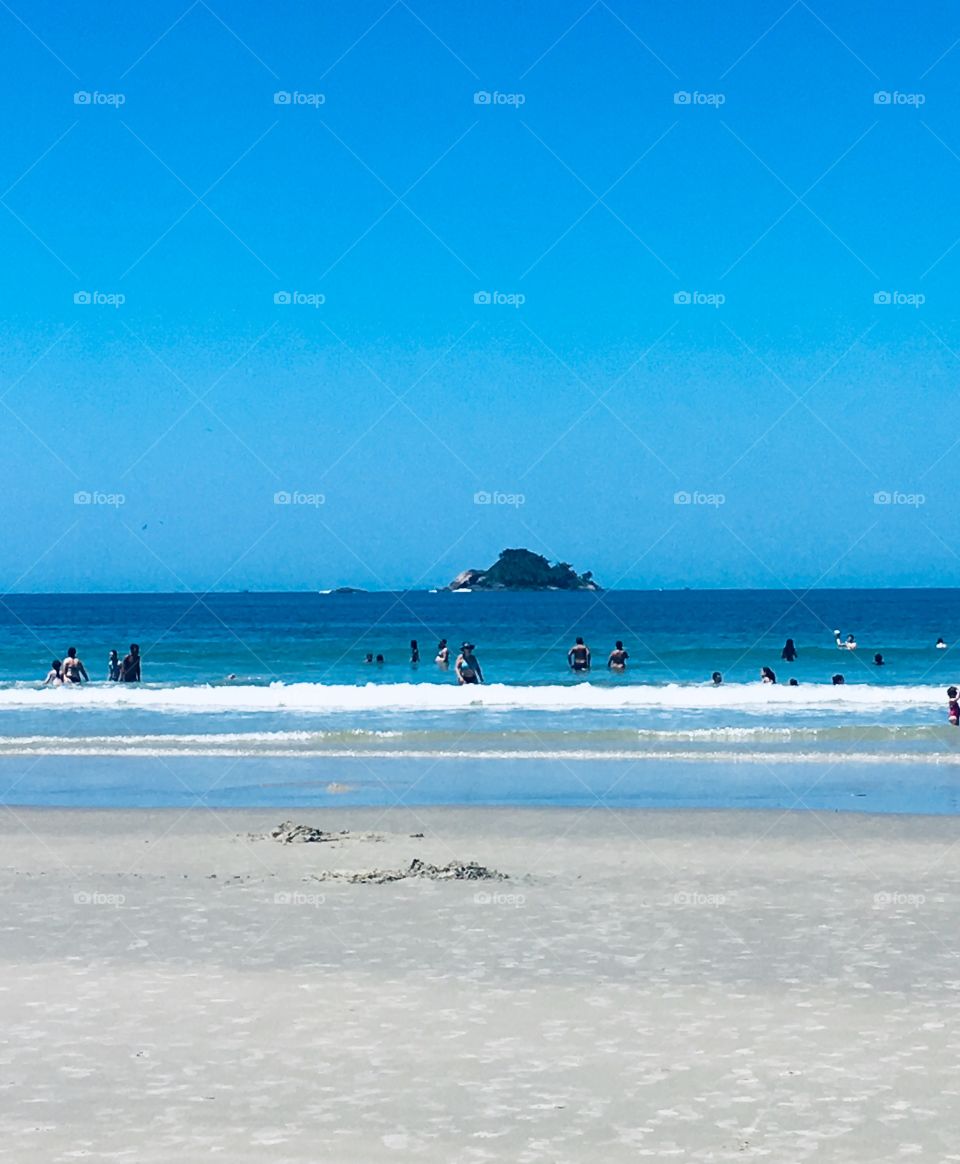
<point x="810" y="428"/>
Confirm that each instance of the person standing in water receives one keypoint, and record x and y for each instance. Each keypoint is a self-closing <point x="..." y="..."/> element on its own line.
<point x="113" y="667"/>
<point x="578" y="657"/>
<point x="618" y="658"/>
<point x="443" y="654"/>
<point x="73" y="668"/>
<point x="789" y="652"/>
<point x="849" y="645"/>
<point x="717" y="679"/>
<point x="130" y="667"/>
<point x="466" y="666"/>
<point x="414" y="651"/>
<point x="953" y="707"/>
<point x="54" y="677"/>
<point x="941" y="645"/>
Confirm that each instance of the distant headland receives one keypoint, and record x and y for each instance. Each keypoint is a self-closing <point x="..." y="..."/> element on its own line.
<point x="524" y="570"/>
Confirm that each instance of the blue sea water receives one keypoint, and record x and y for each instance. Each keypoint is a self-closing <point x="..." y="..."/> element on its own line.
<point x="266" y="699"/>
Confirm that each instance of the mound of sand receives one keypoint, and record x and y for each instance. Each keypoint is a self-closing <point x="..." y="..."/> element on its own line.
<point x="452" y="871"/>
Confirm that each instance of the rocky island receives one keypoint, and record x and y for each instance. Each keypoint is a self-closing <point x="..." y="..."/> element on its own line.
<point x="524" y="570"/>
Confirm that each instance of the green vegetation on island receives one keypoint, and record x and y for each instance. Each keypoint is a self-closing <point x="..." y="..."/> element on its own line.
<point x="524" y="570"/>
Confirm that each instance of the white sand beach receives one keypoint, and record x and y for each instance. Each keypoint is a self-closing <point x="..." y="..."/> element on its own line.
<point x="703" y="986"/>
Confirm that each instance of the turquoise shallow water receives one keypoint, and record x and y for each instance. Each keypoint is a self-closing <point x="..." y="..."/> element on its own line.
<point x="522" y="639"/>
<point x="242" y="683"/>
<point x="609" y="785"/>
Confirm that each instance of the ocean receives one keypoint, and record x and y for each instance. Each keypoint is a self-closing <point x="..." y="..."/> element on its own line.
<point x="265" y="699"/>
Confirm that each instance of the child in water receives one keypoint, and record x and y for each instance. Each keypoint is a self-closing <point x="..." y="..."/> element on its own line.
<point x="953" y="707"/>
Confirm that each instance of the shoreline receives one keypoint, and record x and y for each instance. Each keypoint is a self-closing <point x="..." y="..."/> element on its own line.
<point x="320" y="783"/>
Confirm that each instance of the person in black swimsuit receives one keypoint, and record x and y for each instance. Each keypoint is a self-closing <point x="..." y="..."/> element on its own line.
<point x="579" y="656"/>
<point x="113" y="667"/>
<point x="130" y="667"/>
<point x="789" y="652"/>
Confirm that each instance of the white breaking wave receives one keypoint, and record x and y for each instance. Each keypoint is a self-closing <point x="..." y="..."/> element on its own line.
<point x="318" y="697"/>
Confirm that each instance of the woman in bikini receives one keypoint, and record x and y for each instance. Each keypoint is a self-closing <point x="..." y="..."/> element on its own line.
<point x="73" y="668"/>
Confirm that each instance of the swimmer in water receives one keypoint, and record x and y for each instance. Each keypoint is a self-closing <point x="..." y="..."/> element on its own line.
<point x="73" y="668"/>
<point x="443" y="654"/>
<point x="113" y="667"/>
<point x="716" y="678"/>
<point x="793" y="683"/>
<point x="368" y="658"/>
<point x="767" y="676"/>
<point x="849" y="645"/>
<point x="130" y="667"/>
<point x="953" y="707"/>
<point x="838" y="680"/>
<point x="789" y="652"/>
<point x="941" y="645"/>
<point x="466" y="666"/>
<point x="618" y="658"/>
<point x="878" y="660"/>
<point x="414" y="651"/>
<point x="379" y="660"/>
<point x="54" y="677"/>
<point x="578" y="657"/>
